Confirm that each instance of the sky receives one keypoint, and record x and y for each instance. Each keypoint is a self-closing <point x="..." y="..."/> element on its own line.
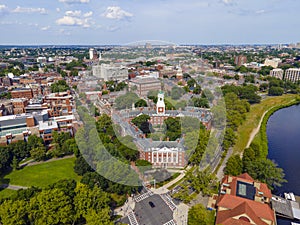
<point x="100" y="22"/>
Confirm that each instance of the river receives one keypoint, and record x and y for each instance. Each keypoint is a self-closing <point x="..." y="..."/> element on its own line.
<point x="283" y="131"/>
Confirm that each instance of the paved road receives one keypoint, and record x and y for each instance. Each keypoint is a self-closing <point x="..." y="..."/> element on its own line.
<point x="12" y="187"/>
<point x="220" y="172"/>
<point x="30" y="163"/>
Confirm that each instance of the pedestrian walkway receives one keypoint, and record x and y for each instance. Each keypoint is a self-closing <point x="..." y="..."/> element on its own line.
<point x="171" y="222"/>
<point x="143" y="196"/>
<point x="12" y="187"/>
<point x="132" y="218"/>
<point x="168" y="200"/>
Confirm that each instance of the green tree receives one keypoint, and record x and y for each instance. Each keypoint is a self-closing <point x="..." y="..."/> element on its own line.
<point x="173" y="128"/>
<point x="13" y="212"/>
<point x="198" y="215"/>
<point x="234" y="166"/>
<point x="51" y="207"/>
<point x="81" y="166"/>
<point x="203" y="181"/>
<point x="275" y="91"/>
<point x="99" y="218"/>
<point x="176" y="92"/>
<point x="141" y="103"/>
<point x="142" y="122"/>
<point x="5" y="159"/>
<point x="34" y="142"/>
<point x="267" y="172"/>
<point x="15" y="163"/>
<point x="39" y="153"/>
<point x="60" y="86"/>
<point x="86" y="200"/>
<point x="126" y="101"/>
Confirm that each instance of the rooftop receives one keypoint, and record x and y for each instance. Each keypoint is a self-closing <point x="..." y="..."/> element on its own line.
<point x="47" y="125"/>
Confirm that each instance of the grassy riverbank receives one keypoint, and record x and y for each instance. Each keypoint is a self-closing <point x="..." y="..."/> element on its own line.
<point x="268" y="106"/>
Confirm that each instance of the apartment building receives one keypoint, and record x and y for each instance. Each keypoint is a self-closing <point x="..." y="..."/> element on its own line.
<point x="143" y="84"/>
<point x="278" y="73"/>
<point x="292" y="74"/>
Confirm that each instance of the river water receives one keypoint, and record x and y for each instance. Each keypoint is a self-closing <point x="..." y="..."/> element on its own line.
<point x="283" y="131"/>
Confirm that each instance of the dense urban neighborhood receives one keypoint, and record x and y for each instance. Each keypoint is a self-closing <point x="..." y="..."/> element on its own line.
<point x="143" y="134"/>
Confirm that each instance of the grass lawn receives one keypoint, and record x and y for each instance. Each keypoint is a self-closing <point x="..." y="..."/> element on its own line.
<point x="253" y="118"/>
<point x="42" y="175"/>
<point x="5" y="193"/>
<point x="173" y="102"/>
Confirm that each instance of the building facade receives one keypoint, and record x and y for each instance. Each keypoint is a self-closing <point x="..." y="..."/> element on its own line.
<point x="292" y="74"/>
<point x="162" y="154"/>
<point x="240" y="60"/>
<point x="142" y="85"/>
<point x="278" y="73"/>
<point x="22" y="93"/>
<point x="110" y="72"/>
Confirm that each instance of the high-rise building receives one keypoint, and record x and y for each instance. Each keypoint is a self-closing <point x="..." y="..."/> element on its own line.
<point x="272" y="62"/>
<point x="278" y="73"/>
<point x="292" y="74"/>
<point x="110" y="72"/>
<point x="93" y="54"/>
<point x="240" y="60"/>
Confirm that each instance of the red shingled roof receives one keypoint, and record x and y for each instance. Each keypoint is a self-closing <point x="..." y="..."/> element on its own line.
<point x="234" y="205"/>
<point x="246" y="176"/>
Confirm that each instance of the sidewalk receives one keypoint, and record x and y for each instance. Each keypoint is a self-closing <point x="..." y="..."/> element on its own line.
<point x="126" y="208"/>
<point x="180" y="214"/>
<point x="12" y="187"/>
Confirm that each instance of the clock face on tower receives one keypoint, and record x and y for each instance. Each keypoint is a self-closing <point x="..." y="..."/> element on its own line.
<point x="160" y="109"/>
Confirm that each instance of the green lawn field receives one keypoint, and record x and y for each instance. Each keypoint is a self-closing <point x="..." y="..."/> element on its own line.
<point x="5" y="193"/>
<point x="254" y="116"/>
<point x="44" y="174"/>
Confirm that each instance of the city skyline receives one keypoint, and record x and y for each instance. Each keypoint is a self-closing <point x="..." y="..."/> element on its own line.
<point x="91" y="22"/>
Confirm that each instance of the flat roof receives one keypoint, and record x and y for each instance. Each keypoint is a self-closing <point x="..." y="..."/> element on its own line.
<point x="67" y="117"/>
<point x="47" y="125"/>
<point x="245" y="190"/>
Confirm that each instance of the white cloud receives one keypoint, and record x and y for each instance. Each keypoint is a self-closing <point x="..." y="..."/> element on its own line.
<point x="228" y="2"/>
<point x="73" y="21"/>
<point x="115" y="12"/>
<point x="88" y="14"/>
<point x="20" y="9"/>
<point x="3" y="9"/>
<point x="76" y="13"/>
<point x="57" y="9"/>
<point x="75" y="18"/>
<point x="113" y="28"/>
<point x="45" y="28"/>
<point x="262" y="11"/>
<point x="74" y="1"/>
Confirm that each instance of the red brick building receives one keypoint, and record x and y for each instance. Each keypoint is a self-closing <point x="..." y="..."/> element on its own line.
<point x="244" y="201"/>
<point x="22" y="93"/>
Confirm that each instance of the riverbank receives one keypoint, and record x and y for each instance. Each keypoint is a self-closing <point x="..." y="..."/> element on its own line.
<point x="261" y="138"/>
<point x="251" y="128"/>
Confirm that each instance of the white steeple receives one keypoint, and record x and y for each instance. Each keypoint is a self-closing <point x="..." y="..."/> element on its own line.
<point x="160" y="105"/>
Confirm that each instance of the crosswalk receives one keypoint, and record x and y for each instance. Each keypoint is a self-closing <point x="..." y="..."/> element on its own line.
<point x="132" y="219"/>
<point x="168" y="200"/>
<point x="171" y="222"/>
<point x="143" y="196"/>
